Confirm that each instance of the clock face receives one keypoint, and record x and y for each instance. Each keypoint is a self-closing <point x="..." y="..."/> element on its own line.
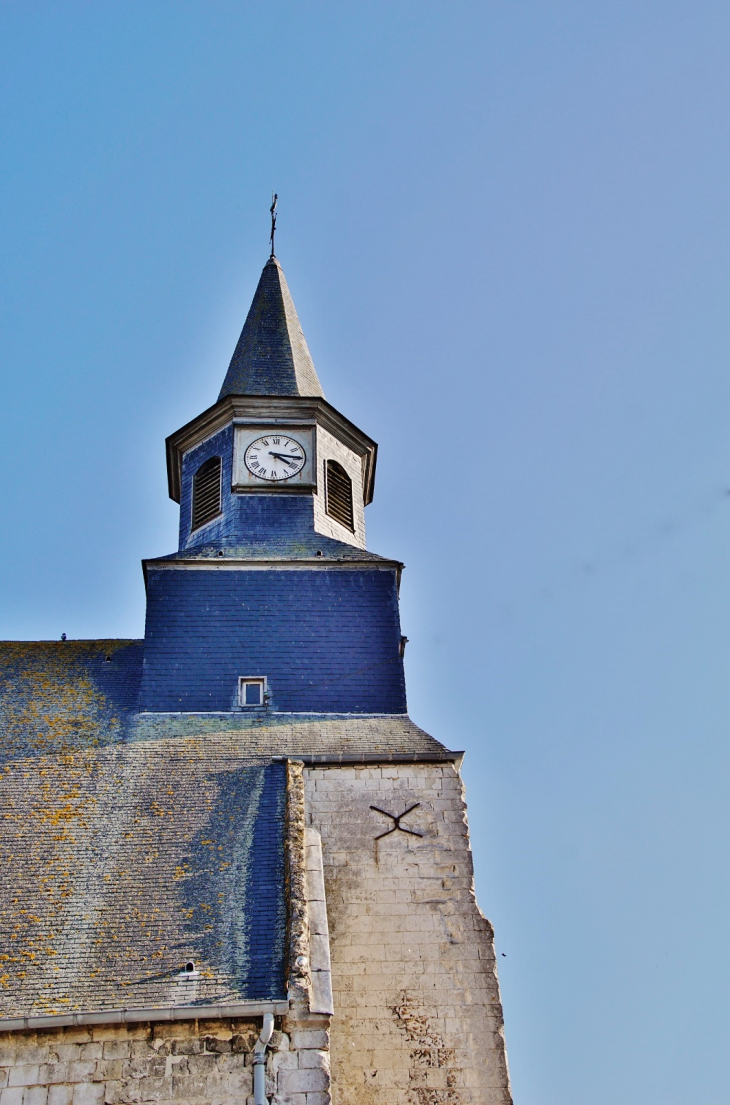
<point x="275" y="457"/>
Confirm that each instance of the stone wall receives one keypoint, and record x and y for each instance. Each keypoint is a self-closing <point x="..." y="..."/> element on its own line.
<point x="417" y="1014"/>
<point x="187" y="1062"/>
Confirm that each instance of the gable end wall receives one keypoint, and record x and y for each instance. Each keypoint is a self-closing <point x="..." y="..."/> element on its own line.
<point x="417" y="1013"/>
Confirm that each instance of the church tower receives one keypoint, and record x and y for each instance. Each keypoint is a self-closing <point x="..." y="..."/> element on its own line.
<point x="236" y="870"/>
<point x="271" y="571"/>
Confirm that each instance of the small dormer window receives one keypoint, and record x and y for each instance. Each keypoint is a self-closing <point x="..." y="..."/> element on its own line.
<point x="339" y="494"/>
<point x="252" y="690"/>
<point x="206" y="492"/>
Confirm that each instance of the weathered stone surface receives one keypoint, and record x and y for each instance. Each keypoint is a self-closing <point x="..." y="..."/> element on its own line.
<point x="417" y="1010"/>
<point x="316" y="1038"/>
<point x="60" y="1095"/>
<point x="88" y="1093"/>
<point x="173" y="1062"/>
<point x="206" y="1062"/>
<point x="303" y="1081"/>
<point x="12" y="1096"/>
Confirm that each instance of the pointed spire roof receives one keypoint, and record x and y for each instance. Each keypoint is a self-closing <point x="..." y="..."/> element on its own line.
<point x="271" y="357"/>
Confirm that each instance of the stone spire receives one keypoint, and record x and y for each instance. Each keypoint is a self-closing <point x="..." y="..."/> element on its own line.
<point x="271" y="357"/>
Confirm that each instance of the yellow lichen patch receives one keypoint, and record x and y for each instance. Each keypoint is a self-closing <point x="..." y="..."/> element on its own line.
<point x="49" y="702"/>
<point x="110" y="869"/>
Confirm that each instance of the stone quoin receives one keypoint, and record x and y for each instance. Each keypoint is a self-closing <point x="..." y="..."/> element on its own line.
<point x="233" y="869"/>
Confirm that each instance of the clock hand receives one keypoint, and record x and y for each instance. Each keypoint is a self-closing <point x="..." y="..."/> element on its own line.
<point x="284" y="456"/>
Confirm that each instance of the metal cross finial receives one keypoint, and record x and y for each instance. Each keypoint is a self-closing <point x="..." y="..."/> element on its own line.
<point x="272" y="209"/>
<point x="396" y="819"/>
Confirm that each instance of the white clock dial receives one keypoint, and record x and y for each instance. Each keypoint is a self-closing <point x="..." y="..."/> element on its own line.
<point x="275" y="457"/>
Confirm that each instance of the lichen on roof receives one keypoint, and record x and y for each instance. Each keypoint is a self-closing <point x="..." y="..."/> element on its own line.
<point x="131" y="843"/>
<point x="66" y="695"/>
<point x="122" y="863"/>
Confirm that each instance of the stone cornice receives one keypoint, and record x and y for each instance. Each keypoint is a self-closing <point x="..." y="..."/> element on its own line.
<point x="353" y="759"/>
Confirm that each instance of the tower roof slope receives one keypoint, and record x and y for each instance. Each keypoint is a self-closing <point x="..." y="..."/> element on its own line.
<point x="272" y="357"/>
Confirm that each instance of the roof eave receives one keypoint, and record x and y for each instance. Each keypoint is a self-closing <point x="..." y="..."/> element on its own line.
<point x="242" y="1009"/>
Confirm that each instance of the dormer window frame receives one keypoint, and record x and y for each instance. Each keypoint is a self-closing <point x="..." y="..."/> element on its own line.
<point x="245" y="681"/>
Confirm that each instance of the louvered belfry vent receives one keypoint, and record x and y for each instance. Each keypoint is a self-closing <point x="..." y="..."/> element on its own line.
<point x="339" y="494"/>
<point x="206" y="492"/>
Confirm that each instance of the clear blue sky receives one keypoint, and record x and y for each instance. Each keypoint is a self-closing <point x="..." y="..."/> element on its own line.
<point x="502" y="223"/>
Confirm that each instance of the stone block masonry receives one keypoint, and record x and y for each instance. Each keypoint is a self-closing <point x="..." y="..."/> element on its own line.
<point x="417" y="1013"/>
<point x="188" y="1063"/>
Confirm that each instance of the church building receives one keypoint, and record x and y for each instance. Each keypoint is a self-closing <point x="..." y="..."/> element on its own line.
<point x="233" y="870"/>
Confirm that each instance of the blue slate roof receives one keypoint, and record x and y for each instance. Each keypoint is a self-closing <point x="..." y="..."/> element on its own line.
<point x="66" y="696"/>
<point x="122" y="861"/>
<point x="132" y="843"/>
<point x="272" y="357"/>
<point x="326" y="640"/>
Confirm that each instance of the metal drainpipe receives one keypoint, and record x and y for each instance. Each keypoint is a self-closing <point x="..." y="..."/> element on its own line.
<point x="259" y="1060"/>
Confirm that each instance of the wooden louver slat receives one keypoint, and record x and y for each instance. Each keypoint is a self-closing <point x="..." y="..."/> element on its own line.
<point x="339" y="494"/>
<point x="206" y="492"/>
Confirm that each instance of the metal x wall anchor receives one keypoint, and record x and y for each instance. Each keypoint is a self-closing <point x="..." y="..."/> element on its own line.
<point x="396" y="819"/>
